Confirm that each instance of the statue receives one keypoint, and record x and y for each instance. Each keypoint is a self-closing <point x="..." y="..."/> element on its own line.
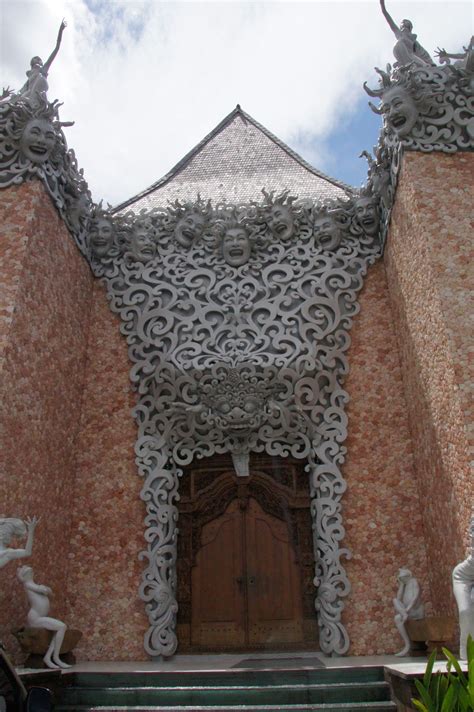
<point x="463" y="587"/>
<point x="142" y="244"/>
<point x="36" y="85"/>
<point x="38" y="140"/>
<point x="407" y="49"/>
<point x="327" y="233"/>
<point x="367" y="215"/>
<point x="11" y="527"/>
<point x="38" y="616"/>
<point x="236" y="246"/>
<point x="407" y="605"/>
<point x="101" y="237"/>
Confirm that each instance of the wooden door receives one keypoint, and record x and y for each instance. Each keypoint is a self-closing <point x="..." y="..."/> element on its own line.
<point x="246" y="582"/>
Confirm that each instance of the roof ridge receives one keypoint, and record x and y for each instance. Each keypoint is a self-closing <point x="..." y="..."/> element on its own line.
<point x="215" y="131"/>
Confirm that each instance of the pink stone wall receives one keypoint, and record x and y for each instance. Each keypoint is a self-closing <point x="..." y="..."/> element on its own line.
<point x="107" y="529"/>
<point x="429" y="261"/>
<point x="381" y="508"/>
<point x="45" y="295"/>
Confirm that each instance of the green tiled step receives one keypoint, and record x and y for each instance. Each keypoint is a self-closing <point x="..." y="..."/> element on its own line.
<point x="229" y="678"/>
<point x="224" y="695"/>
<point x="338" y="707"/>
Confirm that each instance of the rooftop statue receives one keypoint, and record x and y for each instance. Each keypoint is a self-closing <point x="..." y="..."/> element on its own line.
<point x="407" y="605"/>
<point x="11" y="527"/>
<point x="36" y="85"/>
<point x="463" y="587"/>
<point x="407" y="49"/>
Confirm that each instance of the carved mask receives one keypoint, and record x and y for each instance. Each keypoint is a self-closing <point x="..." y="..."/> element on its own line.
<point x="239" y="415"/>
<point x="236" y="247"/>
<point x="188" y="228"/>
<point x="367" y="215"/>
<point x="37" y="140"/>
<point x="400" y="111"/>
<point x="327" y="233"/>
<point x="281" y="222"/>
<point x="101" y="237"/>
<point x="142" y="246"/>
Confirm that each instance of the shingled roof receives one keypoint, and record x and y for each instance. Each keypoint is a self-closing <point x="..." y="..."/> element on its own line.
<point x="233" y="163"/>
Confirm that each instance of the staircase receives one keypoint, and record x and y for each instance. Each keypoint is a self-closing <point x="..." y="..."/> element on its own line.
<point x="332" y="690"/>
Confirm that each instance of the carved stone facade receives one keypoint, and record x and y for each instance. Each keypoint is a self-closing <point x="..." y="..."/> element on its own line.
<point x="237" y="314"/>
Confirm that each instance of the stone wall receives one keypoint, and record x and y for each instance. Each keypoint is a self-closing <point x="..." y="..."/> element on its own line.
<point x="381" y="508"/>
<point x="45" y="292"/>
<point x="429" y="260"/>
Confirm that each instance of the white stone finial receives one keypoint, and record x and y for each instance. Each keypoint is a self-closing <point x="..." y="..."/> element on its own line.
<point x="11" y="527"/>
<point x="38" y="598"/>
<point x="463" y="588"/>
<point x="407" y="605"/>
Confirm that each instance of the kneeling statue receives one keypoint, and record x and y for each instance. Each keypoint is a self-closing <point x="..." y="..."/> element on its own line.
<point x="407" y="605"/>
<point x="38" y="598"/>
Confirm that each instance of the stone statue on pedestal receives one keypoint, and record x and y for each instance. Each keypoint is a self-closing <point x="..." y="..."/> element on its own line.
<point x="407" y="605"/>
<point x="38" y="598"/>
<point x="463" y="587"/>
<point x="11" y="527"/>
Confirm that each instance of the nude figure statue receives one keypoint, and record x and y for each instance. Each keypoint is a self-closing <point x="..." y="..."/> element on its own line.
<point x="407" y="49"/>
<point x="38" y="598"/>
<point x="463" y="588"/>
<point x="407" y="605"/>
<point x="11" y="527"/>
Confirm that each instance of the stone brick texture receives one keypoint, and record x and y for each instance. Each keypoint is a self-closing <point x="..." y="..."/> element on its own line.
<point x="68" y="434"/>
<point x="46" y="289"/>
<point x="429" y="260"/>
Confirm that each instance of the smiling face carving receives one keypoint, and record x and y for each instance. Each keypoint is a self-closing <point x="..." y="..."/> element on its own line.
<point x="281" y="222"/>
<point x="189" y="228"/>
<point x="239" y="416"/>
<point x="142" y="246"/>
<point x="101" y="237"/>
<point x="399" y="109"/>
<point x="236" y="247"/>
<point x="367" y="215"/>
<point x="327" y="233"/>
<point x="37" y="140"/>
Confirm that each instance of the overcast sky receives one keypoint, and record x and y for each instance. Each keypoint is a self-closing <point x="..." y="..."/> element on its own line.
<point x="147" y="80"/>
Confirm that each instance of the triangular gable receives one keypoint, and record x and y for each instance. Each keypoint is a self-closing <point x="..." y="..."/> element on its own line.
<point x="233" y="163"/>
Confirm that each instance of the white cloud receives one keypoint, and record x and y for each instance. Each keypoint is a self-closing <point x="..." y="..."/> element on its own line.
<point x="145" y="81"/>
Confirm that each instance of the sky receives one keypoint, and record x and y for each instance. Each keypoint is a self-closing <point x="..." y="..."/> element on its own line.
<point x="146" y="80"/>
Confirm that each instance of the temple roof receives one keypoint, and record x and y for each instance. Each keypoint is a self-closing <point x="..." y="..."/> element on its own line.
<point x="233" y="163"/>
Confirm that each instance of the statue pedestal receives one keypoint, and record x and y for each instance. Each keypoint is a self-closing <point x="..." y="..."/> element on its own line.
<point x="436" y="632"/>
<point x="34" y="642"/>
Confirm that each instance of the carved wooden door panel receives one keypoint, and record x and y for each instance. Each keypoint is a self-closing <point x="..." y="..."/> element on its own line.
<point x="246" y="584"/>
<point x="273" y="581"/>
<point x="218" y="604"/>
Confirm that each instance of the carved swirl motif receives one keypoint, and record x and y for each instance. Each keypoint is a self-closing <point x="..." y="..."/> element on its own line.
<point x="239" y="358"/>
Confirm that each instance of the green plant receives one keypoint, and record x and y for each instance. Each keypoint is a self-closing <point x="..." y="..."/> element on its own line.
<point x="451" y="692"/>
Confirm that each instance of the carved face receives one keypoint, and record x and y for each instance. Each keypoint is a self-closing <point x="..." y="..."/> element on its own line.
<point x="36" y="63"/>
<point x="281" y="222"/>
<point x="327" y="233"/>
<point x="188" y="228"/>
<point x="400" y="111"/>
<point x="239" y="416"/>
<point x="101" y="237"/>
<point x="142" y="246"/>
<point x="236" y="247"/>
<point x="37" y="140"/>
<point x="367" y="215"/>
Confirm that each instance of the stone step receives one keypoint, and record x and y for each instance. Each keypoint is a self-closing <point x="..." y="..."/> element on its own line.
<point x="337" y="707"/>
<point x="223" y="695"/>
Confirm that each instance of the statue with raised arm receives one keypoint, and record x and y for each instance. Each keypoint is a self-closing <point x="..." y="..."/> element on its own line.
<point x="38" y="598"/>
<point x="407" y="49"/>
<point x="36" y="85"/>
<point x="463" y="587"/>
<point x="11" y="527"/>
<point x="407" y="605"/>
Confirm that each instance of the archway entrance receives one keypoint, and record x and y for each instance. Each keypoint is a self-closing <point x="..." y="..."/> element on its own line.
<point x="245" y="558"/>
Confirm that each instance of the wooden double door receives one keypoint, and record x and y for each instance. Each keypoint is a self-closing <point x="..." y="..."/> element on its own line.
<point x="246" y="582"/>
